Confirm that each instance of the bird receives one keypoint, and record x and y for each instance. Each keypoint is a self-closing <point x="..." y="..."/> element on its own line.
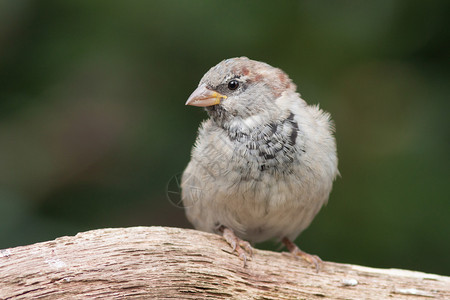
<point x="264" y="161"/>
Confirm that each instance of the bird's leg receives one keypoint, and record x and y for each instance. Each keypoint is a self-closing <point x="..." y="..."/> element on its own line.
<point x="294" y="249"/>
<point x="240" y="246"/>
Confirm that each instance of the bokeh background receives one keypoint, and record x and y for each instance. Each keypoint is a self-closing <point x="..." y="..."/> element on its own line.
<point x="94" y="131"/>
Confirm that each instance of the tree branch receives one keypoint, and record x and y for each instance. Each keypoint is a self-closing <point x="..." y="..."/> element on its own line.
<point x="160" y="262"/>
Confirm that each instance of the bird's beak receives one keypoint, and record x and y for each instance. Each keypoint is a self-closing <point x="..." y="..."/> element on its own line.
<point x="202" y="96"/>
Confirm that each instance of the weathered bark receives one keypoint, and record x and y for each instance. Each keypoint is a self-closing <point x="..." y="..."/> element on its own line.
<point x="162" y="263"/>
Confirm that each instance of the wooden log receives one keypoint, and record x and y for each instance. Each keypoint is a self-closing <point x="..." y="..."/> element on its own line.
<point x="173" y="263"/>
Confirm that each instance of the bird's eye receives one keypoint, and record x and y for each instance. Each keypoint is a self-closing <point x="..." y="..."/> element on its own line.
<point x="233" y="84"/>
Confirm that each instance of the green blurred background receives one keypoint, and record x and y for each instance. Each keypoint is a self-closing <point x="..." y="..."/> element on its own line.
<point x="93" y="125"/>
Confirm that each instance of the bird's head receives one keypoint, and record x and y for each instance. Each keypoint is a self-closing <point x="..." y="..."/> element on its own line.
<point x="240" y="88"/>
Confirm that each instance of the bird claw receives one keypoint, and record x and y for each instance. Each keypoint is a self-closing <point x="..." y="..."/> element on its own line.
<point x="312" y="259"/>
<point x="247" y="247"/>
<point x="295" y="250"/>
<point x="239" y="246"/>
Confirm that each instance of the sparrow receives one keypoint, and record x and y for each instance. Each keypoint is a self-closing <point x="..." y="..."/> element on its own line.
<point x="264" y="161"/>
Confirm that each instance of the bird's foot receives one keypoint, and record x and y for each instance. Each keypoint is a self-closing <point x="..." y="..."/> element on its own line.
<point x="241" y="247"/>
<point x="295" y="250"/>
